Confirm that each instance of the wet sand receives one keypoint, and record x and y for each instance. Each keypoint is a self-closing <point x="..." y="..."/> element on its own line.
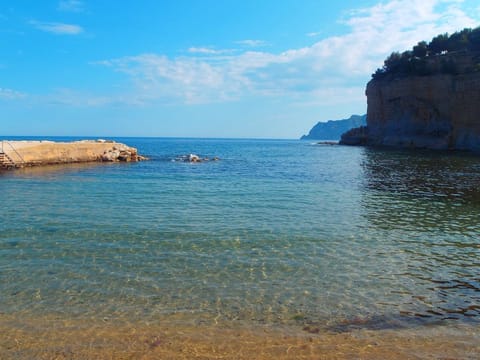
<point x="56" y="338"/>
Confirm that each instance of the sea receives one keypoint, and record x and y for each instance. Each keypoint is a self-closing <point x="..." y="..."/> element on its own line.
<point x="274" y="233"/>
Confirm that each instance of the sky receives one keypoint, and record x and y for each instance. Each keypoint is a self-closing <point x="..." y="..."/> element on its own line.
<point x="201" y="68"/>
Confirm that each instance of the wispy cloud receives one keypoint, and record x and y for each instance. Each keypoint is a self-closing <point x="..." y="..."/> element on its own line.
<point x="329" y="69"/>
<point x="71" y="6"/>
<point x="252" y="43"/>
<point x="73" y="98"/>
<point x="209" y="51"/>
<point x="9" y="94"/>
<point x="57" y="28"/>
<point x="314" y="34"/>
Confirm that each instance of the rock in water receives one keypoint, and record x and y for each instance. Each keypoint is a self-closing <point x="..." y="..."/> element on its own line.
<point x="194" y="158"/>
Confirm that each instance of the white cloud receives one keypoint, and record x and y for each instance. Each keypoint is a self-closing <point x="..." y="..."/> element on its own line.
<point x="73" y="98"/>
<point x="9" y="94"/>
<point x="57" y="28"/>
<point x="329" y="68"/>
<point x="252" y="43"/>
<point x="71" y="6"/>
<point x="313" y="34"/>
<point x="208" y="51"/>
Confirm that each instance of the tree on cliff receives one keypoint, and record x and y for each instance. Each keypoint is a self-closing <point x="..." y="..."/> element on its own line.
<point x="418" y="61"/>
<point x="438" y="44"/>
<point x="403" y="64"/>
<point x="421" y="49"/>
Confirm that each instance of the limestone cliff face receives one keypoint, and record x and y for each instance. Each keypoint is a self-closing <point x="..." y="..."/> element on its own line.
<point x="440" y="112"/>
<point x="436" y="112"/>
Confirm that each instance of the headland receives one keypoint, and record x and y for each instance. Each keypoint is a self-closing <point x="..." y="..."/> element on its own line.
<point x="426" y="97"/>
<point x="333" y="129"/>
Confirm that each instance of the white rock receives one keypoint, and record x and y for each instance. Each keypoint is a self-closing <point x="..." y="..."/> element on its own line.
<point x="194" y="158"/>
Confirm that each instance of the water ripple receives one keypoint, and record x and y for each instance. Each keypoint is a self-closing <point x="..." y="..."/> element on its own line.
<point x="276" y="232"/>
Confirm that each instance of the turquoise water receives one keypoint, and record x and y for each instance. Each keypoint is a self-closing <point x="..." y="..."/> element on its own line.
<point x="275" y="232"/>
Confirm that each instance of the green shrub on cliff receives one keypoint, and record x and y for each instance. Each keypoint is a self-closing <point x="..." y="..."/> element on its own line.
<point x="422" y="59"/>
<point x="421" y="49"/>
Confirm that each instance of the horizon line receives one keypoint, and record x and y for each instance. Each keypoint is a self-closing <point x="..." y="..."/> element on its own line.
<point x="89" y="137"/>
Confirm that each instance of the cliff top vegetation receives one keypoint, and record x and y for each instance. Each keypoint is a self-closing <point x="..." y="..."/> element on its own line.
<point x="444" y="54"/>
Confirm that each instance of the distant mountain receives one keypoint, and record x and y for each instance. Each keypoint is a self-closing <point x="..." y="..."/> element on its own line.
<point x="333" y="129"/>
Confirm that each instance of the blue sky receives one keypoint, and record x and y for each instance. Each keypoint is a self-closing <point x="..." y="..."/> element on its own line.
<point x="201" y="68"/>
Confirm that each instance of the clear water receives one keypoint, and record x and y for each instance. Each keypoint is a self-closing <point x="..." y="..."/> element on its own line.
<point x="276" y="232"/>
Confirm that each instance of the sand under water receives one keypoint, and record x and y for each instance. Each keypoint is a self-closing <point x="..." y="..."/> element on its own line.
<point x="280" y="250"/>
<point x="53" y="337"/>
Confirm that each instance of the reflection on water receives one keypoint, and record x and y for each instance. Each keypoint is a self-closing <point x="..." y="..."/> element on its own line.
<point x="427" y="206"/>
<point x="432" y="175"/>
<point x="56" y="169"/>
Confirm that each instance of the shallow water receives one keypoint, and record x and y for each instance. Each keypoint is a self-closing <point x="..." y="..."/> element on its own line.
<point x="275" y="233"/>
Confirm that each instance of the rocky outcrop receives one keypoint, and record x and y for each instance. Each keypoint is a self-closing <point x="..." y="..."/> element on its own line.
<point x="440" y="111"/>
<point x="333" y="129"/>
<point x="121" y="153"/>
<point x="34" y="153"/>
<point x="193" y="158"/>
<point x="355" y="136"/>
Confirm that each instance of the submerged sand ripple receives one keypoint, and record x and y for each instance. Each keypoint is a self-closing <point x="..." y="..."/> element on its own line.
<point x="54" y="338"/>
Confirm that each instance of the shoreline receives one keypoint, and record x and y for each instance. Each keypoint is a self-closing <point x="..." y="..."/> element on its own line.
<point x="54" y="337"/>
<point x="22" y="153"/>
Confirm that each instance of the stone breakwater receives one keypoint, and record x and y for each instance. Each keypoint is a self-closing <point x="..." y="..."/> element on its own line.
<point x="433" y="112"/>
<point x="37" y="153"/>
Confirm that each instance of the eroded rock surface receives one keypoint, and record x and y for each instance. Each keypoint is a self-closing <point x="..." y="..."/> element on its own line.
<point x="433" y="112"/>
<point x="33" y="153"/>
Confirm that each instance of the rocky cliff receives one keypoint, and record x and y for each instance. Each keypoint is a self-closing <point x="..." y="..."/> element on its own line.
<point x="333" y="129"/>
<point x="436" y="112"/>
<point x="426" y="97"/>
